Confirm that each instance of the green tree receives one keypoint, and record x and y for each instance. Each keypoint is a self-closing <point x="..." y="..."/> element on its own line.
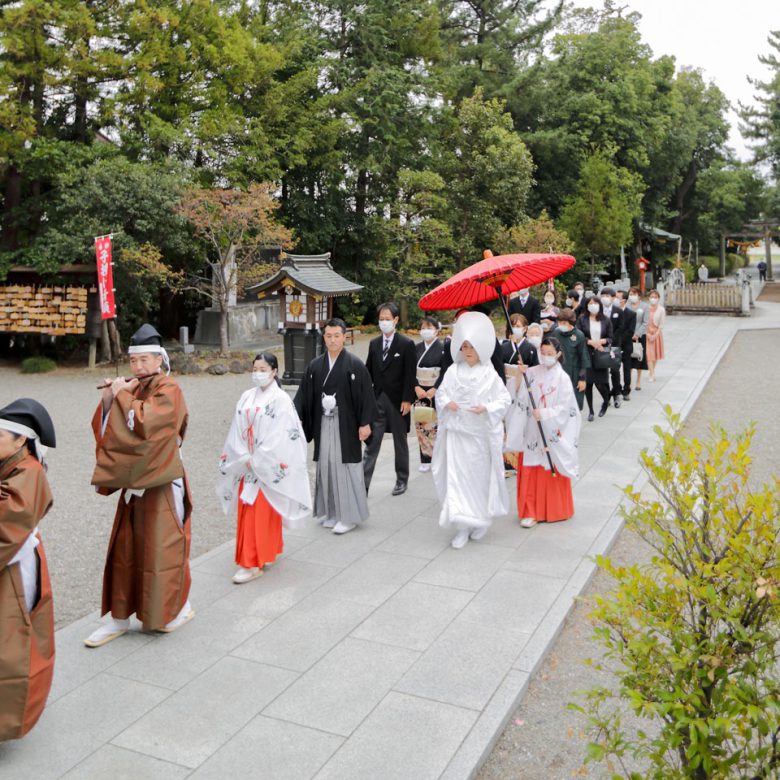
<point x="600" y="88"/>
<point x="489" y="173"/>
<point x="533" y="235"/>
<point x="727" y="196"/>
<point x="600" y="214"/>
<point x="761" y="123"/>
<point x="417" y="247"/>
<point x="695" y="633"/>
<point x="486" y="42"/>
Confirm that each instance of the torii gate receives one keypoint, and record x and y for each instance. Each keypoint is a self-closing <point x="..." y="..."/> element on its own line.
<point x="750" y="230"/>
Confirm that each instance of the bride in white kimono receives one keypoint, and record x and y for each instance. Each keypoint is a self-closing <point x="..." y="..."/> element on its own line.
<point x="542" y="496"/>
<point x="468" y="464"/>
<point x="262" y="471"/>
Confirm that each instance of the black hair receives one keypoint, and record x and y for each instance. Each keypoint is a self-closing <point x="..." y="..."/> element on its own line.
<point x="431" y="321"/>
<point x="607" y="291"/>
<point x="269" y="358"/>
<point x="391" y="307"/>
<point x="573" y="294"/>
<point x="335" y="322"/>
<point x="555" y="344"/>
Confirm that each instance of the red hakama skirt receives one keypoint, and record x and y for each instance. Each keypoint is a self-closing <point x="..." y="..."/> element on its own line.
<point x="259" y="534"/>
<point x="542" y="496"/>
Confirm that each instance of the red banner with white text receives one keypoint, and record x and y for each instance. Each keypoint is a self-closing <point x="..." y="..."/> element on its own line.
<point x="105" y="274"/>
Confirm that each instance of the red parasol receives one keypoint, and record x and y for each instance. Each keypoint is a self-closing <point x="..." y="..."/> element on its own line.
<point x="500" y="275"/>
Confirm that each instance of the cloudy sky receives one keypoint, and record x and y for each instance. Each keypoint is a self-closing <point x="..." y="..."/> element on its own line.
<point x="721" y="37"/>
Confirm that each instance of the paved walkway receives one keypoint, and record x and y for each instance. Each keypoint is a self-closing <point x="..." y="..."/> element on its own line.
<point x="381" y="654"/>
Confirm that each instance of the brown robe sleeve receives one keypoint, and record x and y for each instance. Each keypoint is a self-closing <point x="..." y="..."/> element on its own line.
<point x="24" y="499"/>
<point x="140" y="446"/>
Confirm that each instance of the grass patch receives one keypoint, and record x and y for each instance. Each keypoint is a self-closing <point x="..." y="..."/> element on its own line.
<point x="37" y="365"/>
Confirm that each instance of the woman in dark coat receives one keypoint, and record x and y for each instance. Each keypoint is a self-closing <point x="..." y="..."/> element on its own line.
<point x="576" y="358"/>
<point x="598" y="334"/>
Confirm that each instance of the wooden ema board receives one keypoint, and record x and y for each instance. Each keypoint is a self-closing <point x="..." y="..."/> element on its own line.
<point x="52" y="310"/>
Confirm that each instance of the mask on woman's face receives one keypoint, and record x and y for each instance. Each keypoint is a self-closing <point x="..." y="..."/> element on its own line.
<point x="518" y="332"/>
<point x="653" y="301"/>
<point x="565" y="328"/>
<point x="262" y="378"/>
<point x="593" y="308"/>
<point x="536" y="341"/>
<point x="633" y="299"/>
<point x="549" y="360"/>
<point x="427" y="334"/>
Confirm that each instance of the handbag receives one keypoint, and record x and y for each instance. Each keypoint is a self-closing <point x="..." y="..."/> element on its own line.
<point x="608" y="358"/>
<point x="423" y="414"/>
<point x="637" y="352"/>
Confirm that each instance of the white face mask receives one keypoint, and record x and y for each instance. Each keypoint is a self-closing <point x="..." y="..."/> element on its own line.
<point x="565" y="328"/>
<point x="427" y="334"/>
<point x="386" y="326"/>
<point x="523" y="293"/>
<point x="633" y="298"/>
<point x="593" y="308"/>
<point x="653" y="301"/>
<point x="548" y="360"/>
<point x="519" y="332"/>
<point x="606" y="301"/>
<point x="262" y="378"/>
<point x="570" y="301"/>
<point x="536" y="341"/>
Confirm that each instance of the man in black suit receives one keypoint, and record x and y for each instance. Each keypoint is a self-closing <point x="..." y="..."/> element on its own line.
<point x="526" y="305"/>
<point x="627" y="345"/>
<point x="615" y="315"/>
<point x="392" y="365"/>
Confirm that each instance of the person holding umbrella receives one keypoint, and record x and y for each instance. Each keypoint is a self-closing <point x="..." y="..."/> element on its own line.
<point x="544" y="491"/>
<point x="468" y="464"/>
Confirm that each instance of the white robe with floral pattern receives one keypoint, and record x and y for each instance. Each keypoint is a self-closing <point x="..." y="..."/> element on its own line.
<point x="267" y="449"/>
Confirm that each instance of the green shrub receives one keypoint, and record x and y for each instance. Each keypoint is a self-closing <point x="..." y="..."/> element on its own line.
<point x="696" y="633"/>
<point x="37" y="365"/>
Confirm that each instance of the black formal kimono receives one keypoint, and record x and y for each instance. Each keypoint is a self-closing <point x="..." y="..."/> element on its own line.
<point x="526" y="350"/>
<point x="350" y="383"/>
<point x="433" y="357"/>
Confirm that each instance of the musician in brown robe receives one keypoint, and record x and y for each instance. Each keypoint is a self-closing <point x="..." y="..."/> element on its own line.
<point x="26" y="609"/>
<point x="139" y="426"/>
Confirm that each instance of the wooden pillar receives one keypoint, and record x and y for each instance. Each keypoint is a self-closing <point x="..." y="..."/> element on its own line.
<point x="722" y="270"/>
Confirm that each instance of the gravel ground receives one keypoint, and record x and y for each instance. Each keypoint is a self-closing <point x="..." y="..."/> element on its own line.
<point x="544" y="740"/>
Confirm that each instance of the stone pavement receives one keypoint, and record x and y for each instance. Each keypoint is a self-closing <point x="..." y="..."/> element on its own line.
<point x="381" y="654"/>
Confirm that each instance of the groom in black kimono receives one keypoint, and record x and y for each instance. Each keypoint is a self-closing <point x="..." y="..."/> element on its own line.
<point x="337" y="381"/>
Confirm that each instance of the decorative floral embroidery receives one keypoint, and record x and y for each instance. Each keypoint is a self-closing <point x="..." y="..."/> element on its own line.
<point x="270" y="411"/>
<point x="293" y="434"/>
<point x="131" y="419"/>
<point x="280" y="472"/>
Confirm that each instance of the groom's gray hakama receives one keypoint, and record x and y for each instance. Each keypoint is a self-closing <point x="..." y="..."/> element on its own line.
<point x="340" y="492"/>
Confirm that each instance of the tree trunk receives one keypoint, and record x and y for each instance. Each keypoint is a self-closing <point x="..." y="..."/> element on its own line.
<point x="224" y="346"/>
<point x="12" y="199"/>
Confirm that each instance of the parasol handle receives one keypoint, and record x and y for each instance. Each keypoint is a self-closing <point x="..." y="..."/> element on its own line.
<point x="528" y="388"/>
